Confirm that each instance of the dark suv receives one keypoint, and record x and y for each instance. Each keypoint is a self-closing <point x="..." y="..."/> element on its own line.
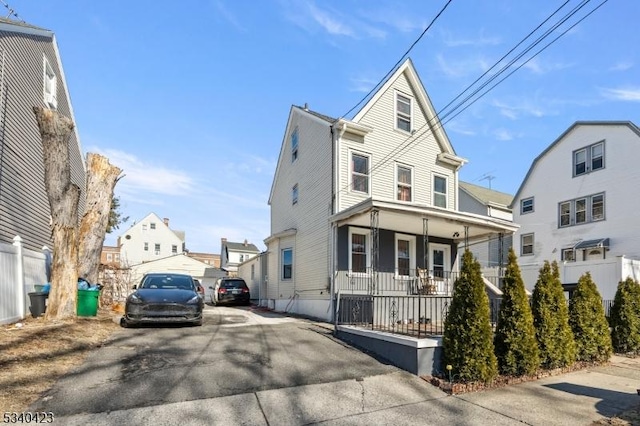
<point x="231" y="290"/>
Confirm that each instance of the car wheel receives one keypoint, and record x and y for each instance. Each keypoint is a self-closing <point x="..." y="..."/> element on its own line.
<point x="124" y="323"/>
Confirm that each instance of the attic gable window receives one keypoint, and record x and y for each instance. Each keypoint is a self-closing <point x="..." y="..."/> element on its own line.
<point x="588" y="159"/>
<point x="360" y="173"/>
<point x="294" y="145"/>
<point x="50" y="86"/>
<point x="403" y="112"/>
<point x="526" y="205"/>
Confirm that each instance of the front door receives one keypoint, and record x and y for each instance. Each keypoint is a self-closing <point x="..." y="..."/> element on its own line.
<point x="439" y="260"/>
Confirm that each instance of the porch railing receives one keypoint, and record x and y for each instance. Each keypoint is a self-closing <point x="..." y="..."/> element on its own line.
<point x="416" y="316"/>
<point x="408" y="282"/>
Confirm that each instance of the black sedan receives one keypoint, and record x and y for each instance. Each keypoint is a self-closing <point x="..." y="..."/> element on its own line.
<point x="164" y="298"/>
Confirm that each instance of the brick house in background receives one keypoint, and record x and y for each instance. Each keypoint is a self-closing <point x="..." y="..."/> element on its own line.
<point x="208" y="258"/>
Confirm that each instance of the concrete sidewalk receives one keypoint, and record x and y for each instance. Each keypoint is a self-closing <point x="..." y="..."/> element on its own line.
<point x="578" y="398"/>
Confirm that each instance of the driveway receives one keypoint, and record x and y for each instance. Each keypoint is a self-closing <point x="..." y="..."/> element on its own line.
<point x="251" y="367"/>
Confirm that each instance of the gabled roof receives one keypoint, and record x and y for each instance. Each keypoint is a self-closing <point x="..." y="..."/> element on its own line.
<point x="422" y="97"/>
<point x="249" y="248"/>
<point x="304" y="111"/>
<point x="629" y="124"/>
<point x="486" y="196"/>
<point x="23" y="27"/>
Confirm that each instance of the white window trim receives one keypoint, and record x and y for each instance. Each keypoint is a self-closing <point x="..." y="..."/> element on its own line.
<point x="50" y="98"/>
<point x="282" y="250"/>
<point x="397" y="182"/>
<point x="412" y="255"/>
<point x="588" y="210"/>
<point x="367" y="250"/>
<point x="294" y="194"/>
<point x="588" y="158"/>
<point x="362" y="154"/>
<point x="568" y="249"/>
<point x="396" y="112"/>
<point x="433" y="190"/>
<point x="446" y="257"/>
<point x="533" y="242"/>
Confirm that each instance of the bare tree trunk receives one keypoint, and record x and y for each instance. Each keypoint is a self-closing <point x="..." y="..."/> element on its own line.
<point x="101" y="179"/>
<point x="64" y="197"/>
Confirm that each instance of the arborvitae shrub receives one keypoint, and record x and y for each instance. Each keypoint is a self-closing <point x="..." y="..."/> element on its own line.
<point x="551" y="319"/>
<point x="588" y="322"/>
<point x="625" y="318"/>
<point x="468" y="341"/>
<point x="515" y="339"/>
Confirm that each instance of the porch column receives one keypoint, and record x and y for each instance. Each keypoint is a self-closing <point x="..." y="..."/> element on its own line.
<point x="500" y="256"/>
<point x="425" y="243"/>
<point x="466" y="237"/>
<point x="375" y="254"/>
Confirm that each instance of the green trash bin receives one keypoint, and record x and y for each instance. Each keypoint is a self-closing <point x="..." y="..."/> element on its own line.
<point x="87" y="305"/>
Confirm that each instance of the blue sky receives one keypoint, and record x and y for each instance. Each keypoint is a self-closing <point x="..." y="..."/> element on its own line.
<point x="191" y="98"/>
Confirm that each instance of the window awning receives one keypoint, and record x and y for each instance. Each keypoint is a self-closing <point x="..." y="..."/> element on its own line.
<point x="587" y="244"/>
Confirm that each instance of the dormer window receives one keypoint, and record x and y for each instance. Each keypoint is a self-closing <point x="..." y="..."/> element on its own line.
<point x="50" y="86"/>
<point x="403" y="112"/>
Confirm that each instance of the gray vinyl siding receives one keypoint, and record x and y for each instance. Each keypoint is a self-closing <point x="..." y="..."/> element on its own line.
<point x="382" y="145"/>
<point x="24" y="205"/>
<point x="312" y="173"/>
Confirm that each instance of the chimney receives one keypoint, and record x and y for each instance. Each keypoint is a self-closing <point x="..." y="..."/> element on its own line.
<point x="223" y="240"/>
<point x="166" y="221"/>
<point x="306" y="106"/>
<point x="245" y="243"/>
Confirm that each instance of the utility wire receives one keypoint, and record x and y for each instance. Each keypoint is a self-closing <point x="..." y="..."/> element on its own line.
<point x="438" y="124"/>
<point x="392" y="70"/>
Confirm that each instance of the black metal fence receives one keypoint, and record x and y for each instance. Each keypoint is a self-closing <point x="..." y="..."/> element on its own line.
<point x="410" y="315"/>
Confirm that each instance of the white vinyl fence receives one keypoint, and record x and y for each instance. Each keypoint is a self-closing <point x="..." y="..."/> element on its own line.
<point x="20" y="270"/>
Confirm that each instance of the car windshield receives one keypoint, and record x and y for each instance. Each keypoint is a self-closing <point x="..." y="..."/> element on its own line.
<point x="168" y="282"/>
<point x="233" y="284"/>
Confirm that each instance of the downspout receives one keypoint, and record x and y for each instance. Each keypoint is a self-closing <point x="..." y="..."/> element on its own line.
<point x="332" y="229"/>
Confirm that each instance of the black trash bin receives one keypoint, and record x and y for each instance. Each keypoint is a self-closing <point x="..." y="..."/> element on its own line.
<point x="38" y="303"/>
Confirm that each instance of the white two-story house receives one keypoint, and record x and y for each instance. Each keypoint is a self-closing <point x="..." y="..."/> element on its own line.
<point x="365" y="204"/>
<point x="148" y="240"/>
<point x="233" y="254"/>
<point x="578" y="206"/>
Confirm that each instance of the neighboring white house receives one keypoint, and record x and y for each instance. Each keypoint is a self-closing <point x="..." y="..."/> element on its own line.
<point x="180" y="264"/>
<point x="149" y="239"/>
<point x="492" y="253"/>
<point x="254" y="273"/>
<point x="359" y="205"/>
<point x="233" y="254"/>
<point x="578" y="205"/>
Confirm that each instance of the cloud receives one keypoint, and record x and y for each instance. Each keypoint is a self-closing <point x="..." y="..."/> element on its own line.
<point x="403" y="21"/>
<point x="455" y="127"/>
<point x="362" y="84"/>
<point x="521" y="108"/>
<point x="461" y="68"/>
<point x="621" y="66"/>
<point x="537" y="66"/>
<point x="228" y="16"/>
<point x="503" y="134"/>
<point x="146" y="180"/>
<point x="626" y="94"/>
<point x="474" y="41"/>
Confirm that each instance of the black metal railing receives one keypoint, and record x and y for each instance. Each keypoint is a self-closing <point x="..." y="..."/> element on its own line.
<point x="409" y="282"/>
<point x="417" y="316"/>
<point x="410" y="315"/>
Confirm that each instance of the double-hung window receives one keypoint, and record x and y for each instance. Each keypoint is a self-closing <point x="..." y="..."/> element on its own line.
<point x="287" y="264"/>
<point x="440" y="191"/>
<point x="174" y="249"/>
<point x="358" y="250"/>
<point x="405" y="258"/>
<point x="526" y="244"/>
<point x="360" y="173"/>
<point x="294" y="194"/>
<point x="581" y="210"/>
<point x="404" y="179"/>
<point x="294" y="145"/>
<point x="403" y="112"/>
<point x="50" y="86"/>
<point x="588" y="159"/>
<point x="146" y="246"/>
<point x="157" y="249"/>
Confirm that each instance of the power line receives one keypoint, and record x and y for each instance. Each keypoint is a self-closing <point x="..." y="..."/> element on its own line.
<point x="436" y="120"/>
<point x="11" y="12"/>
<point x="392" y="70"/>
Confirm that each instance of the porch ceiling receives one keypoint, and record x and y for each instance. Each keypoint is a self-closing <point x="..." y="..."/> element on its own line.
<point x="407" y="219"/>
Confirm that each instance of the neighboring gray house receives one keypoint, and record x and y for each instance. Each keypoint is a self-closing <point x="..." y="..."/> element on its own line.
<point x="31" y="75"/>
<point x="368" y="205"/>
<point x="578" y="205"/>
<point x="233" y="254"/>
<point x="492" y="253"/>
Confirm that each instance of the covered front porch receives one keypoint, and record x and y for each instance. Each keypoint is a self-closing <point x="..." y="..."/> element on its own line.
<point x="395" y="265"/>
